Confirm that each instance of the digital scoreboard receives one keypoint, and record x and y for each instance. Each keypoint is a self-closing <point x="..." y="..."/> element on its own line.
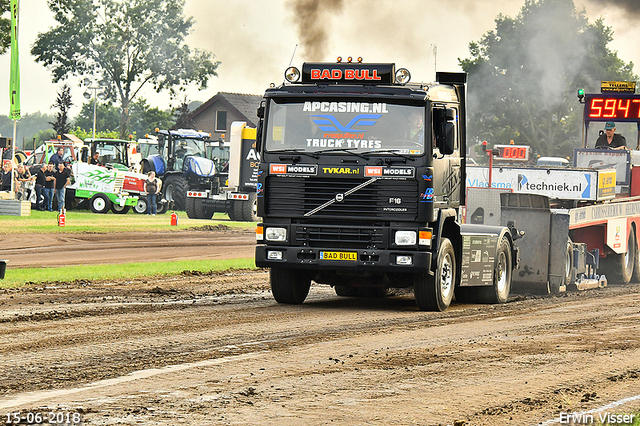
<point x="622" y="107"/>
<point x="515" y="153"/>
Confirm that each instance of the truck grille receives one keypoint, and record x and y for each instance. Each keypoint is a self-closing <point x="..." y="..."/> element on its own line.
<point x="384" y="199"/>
<point x="339" y="237"/>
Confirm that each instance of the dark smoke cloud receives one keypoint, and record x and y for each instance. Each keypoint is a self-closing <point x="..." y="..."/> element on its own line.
<point x="629" y="6"/>
<point x="313" y="21"/>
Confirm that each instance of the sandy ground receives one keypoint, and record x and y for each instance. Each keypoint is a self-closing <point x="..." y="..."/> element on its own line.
<point x="43" y="250"/>
<point x="216" y="349"/>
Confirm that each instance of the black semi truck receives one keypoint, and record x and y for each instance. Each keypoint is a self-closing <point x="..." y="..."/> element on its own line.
<point x="360" y="184"/>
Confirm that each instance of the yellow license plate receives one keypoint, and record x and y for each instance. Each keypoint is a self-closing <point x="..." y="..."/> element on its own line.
<point x="338" y="255"/>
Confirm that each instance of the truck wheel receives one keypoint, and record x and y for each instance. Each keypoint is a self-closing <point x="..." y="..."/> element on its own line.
<point x="289" y="285"/>
<point x="117" y="209"/>
<point x="175" y="191"/>
<point x="499" y="291"/>
<point x="201" y="210"/>
<point x="635" y="276"/>
<point x="238" y="210"/>
<point x="100" y="203"/>
<point x="189" y="207"/>
<point x="568" y="265"/>
<point x="250" y="208"/>
<point x="435" y="292"/>
<point x="346" y="291"/>
<point x="618" y="268"/>
<point x="141" y="205"/>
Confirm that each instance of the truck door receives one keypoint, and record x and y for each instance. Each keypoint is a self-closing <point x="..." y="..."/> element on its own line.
<point x="446" y="157"/>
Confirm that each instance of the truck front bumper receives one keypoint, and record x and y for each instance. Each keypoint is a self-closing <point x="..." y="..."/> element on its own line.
<point x="409" y="261"/>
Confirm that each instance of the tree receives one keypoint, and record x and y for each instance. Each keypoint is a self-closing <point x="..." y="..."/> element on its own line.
<point x="524" y="76"/>
<point x="63" y="103"/>
<point x="5" y="26"/>
<point x="128" y="43"/>
<point x="107" y="117"/>
<point x="145" y="119"/>
<point x="181" y="116"/>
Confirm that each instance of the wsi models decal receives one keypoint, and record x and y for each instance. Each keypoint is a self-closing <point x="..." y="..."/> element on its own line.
<point x="293" y="169"/>
<point x="389" y="172"/>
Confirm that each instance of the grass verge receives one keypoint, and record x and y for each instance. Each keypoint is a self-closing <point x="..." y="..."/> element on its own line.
<point x="84" y="221"/>
<point x="28" y="276"/>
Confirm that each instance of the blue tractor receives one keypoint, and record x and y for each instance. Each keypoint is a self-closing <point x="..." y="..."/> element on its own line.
<point x="181" y="164"/>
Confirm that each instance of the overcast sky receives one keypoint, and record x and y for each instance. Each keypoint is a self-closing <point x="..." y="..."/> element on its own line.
<point x="255" y="40"/>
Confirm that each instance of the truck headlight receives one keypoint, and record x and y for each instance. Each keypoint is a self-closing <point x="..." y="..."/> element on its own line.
<point x="405" y="238"/>
<point x="275" y="234"/>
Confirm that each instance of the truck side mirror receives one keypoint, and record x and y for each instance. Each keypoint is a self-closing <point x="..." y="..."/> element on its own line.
<point x="259" y="135"/>
<point x="444" y="128"/>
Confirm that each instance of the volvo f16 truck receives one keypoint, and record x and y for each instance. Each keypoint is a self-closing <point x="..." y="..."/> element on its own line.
<point x="360" y="184"/>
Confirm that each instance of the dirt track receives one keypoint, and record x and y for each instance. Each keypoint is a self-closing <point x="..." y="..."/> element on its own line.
<point x="216" y="349"/>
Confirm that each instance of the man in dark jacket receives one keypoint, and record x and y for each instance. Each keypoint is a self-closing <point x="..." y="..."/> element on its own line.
<point x="7" y="176"/>
<point x="39" y="180"/>
<point x="611" y="140"/>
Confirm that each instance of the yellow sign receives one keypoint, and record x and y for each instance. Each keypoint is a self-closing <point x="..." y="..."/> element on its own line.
<point x="618" y="86"/>
<point x="338" y="255"/>
<point x="606" y="183"/>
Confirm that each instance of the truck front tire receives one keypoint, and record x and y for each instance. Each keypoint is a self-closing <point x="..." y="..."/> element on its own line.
<point x="435" y="292"/>
<point x="289" y="286"/>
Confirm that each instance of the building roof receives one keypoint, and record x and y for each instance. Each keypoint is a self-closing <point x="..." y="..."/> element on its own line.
<point x="246" y="105"/>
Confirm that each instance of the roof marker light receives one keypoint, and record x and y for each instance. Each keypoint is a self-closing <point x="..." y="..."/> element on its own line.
<point x="403" y="76"/>
<point x="292" y="74"/>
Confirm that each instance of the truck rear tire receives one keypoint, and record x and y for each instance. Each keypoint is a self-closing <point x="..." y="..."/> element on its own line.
<point x="435" y="292"/>
<point x="250" y="208"/>
<point x="100" y="203"/>
<point x="499" y="291"/>
<point x="618" y="268"/>
<point x="201" y="210"/>
<point x="289" y="286"/>
<point x="189" y="207"/>
<point x="346" y="291"/>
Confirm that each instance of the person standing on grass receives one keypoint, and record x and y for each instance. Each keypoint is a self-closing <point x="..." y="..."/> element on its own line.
<point x="49" y="185"/>
<point x="62" y="179"/>
<point x="152" y="188"/>
<point x="39" y="181"/>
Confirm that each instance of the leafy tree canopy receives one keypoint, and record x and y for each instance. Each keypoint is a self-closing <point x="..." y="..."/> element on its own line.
<point x="63" y="104"/>
<point x="129" y="44"/>
<point x="5" y="26"/>
<point x="524" y="76"/>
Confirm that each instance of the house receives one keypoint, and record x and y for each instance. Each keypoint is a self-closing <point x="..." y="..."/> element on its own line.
<point x="216" y="115"/>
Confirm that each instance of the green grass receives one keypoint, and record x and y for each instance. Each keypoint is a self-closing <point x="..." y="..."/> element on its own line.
<point x="84" y="221"/>
<point x="30" y="276"/>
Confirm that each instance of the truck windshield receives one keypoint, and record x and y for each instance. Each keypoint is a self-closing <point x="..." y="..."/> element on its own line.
<point x="314" y="126"/>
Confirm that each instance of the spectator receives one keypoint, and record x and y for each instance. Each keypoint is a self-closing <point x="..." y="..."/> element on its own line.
<point x="23" y="178"/>
<point x="39" y="181"/>
<point x="62" y="179"/>
<point x="49" y="185"/>
<point x="152" y="188"/>
<point x="57" y="158"/>
<point x="7" y="176"/>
